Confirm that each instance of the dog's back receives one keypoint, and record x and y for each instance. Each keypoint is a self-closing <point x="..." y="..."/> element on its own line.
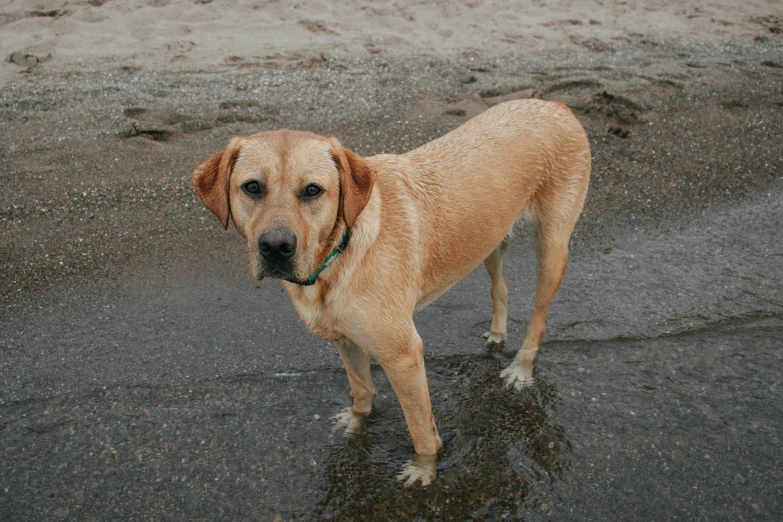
<point x="523" y="158"/>
<point x="516" y="150"/>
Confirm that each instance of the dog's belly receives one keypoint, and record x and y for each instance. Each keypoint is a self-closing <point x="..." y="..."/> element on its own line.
<point x="453" y="265"/>
<point x="430" y="298"/>
<point x="463" y="244"/>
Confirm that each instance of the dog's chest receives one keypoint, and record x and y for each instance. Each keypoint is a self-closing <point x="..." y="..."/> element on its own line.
<point x="319" y="316"/>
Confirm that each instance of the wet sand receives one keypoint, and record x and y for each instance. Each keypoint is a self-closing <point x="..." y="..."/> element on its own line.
<point x="144" y="373"/>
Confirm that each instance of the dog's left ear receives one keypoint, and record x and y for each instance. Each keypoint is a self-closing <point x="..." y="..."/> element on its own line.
<point x="211" y="180"/>
<point x="356" y="181"/>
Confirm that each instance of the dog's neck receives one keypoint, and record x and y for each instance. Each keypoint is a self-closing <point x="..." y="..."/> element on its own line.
<point x="311" y="300"/>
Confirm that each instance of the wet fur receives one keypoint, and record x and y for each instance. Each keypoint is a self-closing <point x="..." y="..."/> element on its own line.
<point x="419" y="222"/>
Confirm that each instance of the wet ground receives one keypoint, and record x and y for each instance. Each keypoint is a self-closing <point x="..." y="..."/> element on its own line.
<point x="144" y="374"/>
<point x="685" y="427"/>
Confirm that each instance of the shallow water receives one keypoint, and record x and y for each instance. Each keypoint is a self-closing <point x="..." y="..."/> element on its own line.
<point x="497" y="446"/>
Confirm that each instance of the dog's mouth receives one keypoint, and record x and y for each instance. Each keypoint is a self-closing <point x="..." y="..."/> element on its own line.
<point x="295" y="269"/>
<point x="273" y="273"/>
<point x="285" y="271"/>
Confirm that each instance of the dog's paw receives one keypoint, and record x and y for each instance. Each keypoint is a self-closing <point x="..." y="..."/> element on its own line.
<point x="354" y="423"/>
<point x="494" y="337"/>
<point x="419" y="468"/>
<point x="517" y="376"/>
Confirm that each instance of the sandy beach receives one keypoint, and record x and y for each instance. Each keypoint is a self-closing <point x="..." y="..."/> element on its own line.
<point x="191" y="35"/>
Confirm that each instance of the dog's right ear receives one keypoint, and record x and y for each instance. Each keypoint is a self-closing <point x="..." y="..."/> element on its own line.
<point x="211" y="180"/>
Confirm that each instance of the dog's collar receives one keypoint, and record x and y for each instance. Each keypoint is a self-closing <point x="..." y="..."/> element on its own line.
<point x="339" y="249"/>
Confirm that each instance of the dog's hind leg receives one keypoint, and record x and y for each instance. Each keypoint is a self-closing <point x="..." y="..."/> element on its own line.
<point x="552" y="250"/>
<point x="497" y="271"/>
<point x="554" y="211"/>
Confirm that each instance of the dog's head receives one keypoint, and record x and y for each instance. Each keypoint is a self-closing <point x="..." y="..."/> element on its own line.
<point x="290" y="194"/>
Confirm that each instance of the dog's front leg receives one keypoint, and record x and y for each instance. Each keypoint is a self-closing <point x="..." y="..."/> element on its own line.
<point x="401" y="355"/>
<point x="357" y="366"/>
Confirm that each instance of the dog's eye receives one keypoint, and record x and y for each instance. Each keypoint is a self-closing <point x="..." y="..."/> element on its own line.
<point x="312" y="192"/>
<point x="253" y="189"/>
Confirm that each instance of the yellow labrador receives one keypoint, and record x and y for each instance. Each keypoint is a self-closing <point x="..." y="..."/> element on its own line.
<point x="362" y="242"/>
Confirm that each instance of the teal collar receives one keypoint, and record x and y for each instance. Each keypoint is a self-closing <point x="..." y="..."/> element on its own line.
<point x="339" y="249"/>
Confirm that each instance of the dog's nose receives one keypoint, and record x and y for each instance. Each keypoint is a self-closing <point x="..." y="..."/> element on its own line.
<point x="277" y="245"/>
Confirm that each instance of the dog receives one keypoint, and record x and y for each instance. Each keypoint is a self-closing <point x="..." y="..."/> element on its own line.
<point x="362" y="242"/>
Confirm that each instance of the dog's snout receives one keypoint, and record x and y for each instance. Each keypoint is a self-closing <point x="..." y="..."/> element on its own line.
<point x="277" y="245"/>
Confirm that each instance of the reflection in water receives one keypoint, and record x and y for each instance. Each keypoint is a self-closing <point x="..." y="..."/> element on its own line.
<point x="498" y="444"/>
